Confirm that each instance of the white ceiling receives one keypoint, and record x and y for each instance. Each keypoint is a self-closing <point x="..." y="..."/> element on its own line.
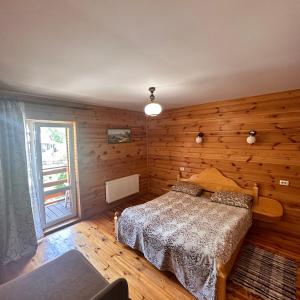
<point x="109" y="52"/>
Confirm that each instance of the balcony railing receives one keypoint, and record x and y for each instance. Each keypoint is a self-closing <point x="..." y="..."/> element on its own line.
<point x="53" y="196"/>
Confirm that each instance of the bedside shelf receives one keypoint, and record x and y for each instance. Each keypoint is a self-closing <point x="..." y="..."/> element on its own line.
<point x="267" y="210"/>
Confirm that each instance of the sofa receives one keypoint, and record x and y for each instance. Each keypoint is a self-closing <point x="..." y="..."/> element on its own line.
<point x="70" y="276"/>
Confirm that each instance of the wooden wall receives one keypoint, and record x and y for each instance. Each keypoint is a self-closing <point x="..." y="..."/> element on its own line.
<point x="225" y="124"/>
<point x="275" y="156"/>
<point x="99" y="161"/>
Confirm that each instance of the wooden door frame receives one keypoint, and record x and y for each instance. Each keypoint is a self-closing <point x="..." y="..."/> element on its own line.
<point x="71" y="155"/>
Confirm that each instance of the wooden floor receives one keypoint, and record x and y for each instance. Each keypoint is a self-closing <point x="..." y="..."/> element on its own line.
<point x="56" y="211"/>
<point x="95" y="239"/>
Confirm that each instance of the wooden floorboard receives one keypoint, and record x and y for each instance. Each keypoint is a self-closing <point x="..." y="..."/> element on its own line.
<point x="95" y="239"/>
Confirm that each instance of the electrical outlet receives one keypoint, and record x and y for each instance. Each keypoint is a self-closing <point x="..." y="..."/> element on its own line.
<point x="181" y="169"/>
<point x="284" y="182"/>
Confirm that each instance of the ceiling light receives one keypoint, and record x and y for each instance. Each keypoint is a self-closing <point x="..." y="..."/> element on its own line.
<point x="152" y="109"/>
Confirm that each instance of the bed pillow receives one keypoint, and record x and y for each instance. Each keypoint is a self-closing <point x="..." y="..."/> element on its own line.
<point x="233" y="199"/>
<point x="187" y="188"/>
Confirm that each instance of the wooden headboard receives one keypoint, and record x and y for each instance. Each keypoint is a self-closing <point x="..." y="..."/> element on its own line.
<point x="213" y="180"/>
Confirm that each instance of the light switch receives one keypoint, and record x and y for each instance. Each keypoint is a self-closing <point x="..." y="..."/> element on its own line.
<point x="284" y="182"/>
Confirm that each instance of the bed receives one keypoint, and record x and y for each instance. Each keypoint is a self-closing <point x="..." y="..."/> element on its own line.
<point x="194" y="238"/>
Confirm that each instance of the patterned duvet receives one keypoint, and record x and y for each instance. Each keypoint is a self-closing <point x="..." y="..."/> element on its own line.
<point x="185" y="235"/>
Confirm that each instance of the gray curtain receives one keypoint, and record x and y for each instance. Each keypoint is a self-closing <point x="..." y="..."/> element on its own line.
<point x="33" y="178"/>
<point x="17" y="233"/>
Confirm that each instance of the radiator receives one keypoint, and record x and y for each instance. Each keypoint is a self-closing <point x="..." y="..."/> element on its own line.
<point x="122" y="187"/>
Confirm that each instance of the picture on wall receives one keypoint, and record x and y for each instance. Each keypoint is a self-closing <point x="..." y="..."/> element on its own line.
<point x="119" y="136"/>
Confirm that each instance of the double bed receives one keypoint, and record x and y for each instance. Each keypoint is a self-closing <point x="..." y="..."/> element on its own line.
<point x="194" y="238"/>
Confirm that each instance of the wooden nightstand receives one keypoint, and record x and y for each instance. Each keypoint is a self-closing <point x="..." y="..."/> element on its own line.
<point x="267" y="210"/>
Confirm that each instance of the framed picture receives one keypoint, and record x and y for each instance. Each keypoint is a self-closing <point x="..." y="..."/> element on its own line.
<point x="119" y="136"/>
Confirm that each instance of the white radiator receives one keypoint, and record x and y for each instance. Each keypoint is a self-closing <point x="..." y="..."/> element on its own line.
<point x="122" y="187"/>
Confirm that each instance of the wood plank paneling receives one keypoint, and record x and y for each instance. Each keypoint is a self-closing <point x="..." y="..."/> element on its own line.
<point x="225" y="124"/>
<point x="99" y="161"/>
<point x="275" y="156"/>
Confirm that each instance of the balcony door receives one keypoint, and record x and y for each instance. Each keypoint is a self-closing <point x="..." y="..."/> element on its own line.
<point x="56" y="169"/>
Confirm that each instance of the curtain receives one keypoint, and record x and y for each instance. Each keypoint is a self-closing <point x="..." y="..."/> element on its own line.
<point x="17" y="233"/>
<point x="33" y="178"/>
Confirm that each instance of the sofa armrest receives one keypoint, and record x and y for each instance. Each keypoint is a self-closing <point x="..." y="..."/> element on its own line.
<point x="117" y="290"/>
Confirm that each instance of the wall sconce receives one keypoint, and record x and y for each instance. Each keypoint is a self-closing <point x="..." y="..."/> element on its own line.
<point x="251" y="139"/>
<point x="199" y="138"/>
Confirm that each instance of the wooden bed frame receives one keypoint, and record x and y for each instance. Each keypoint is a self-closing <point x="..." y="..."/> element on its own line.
<point x="213" y="180"/>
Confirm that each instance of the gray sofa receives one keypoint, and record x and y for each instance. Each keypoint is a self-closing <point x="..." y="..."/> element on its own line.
<point x="69" y="276"/>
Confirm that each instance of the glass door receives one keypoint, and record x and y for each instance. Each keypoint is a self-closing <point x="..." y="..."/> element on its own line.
<point x="55" y="161"/>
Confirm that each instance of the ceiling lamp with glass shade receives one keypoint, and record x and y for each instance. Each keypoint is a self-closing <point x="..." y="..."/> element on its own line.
<point x="152" y="109"/>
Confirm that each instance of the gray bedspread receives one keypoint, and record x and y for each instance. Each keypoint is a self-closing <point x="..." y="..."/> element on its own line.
<point x="185" y="235"/>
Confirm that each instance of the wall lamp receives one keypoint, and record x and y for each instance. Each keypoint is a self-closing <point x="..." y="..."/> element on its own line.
<point x="199" y="138"/>
<point x="251" y="139"/>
